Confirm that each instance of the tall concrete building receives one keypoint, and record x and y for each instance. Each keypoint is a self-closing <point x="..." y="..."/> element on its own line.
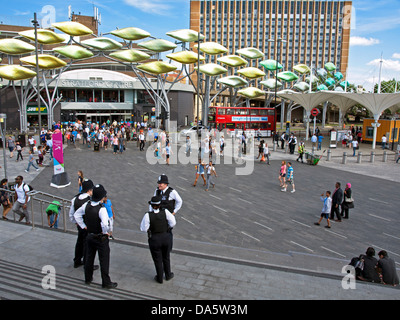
<point x="315" y="31"/>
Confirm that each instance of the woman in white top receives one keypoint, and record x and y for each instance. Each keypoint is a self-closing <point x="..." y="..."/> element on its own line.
<point x="210" y="170"/>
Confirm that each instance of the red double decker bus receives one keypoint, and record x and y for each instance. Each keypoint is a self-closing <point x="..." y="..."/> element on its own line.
<point x="243" y="119"/>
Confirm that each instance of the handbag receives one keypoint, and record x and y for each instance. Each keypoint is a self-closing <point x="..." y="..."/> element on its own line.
<point x="346" y="199"/>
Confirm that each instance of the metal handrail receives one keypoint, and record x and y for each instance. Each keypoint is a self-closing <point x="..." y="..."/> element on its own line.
<point x="37" y="198"/>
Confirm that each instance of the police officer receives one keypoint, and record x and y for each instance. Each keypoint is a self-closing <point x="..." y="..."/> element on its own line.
<point x="170" y="198"/>
<point x="93" y="217"/>
<point x="158" y="224"/>
<point x="76" y="203"/>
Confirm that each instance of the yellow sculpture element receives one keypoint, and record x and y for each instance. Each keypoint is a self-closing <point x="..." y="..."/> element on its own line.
<point x="43" y="36"/>
<point x="156" y="67"/>
<point x="130" y="33"/>
<point x="250" y="53"/>
<point x="130" y="55"/>
<point x="251" y="92"/>
<point x="45" y="61"/>
<point x="302" y="68"/>
<point x="74" y="52"/>
<point x="233" y="81"/>
<point x="212" y="48"/>
<point x="72" y="28"/>
<point x="233" y="61"/>
<point x="15" y="46"/>
<point x="251" y="72"/>
<point x="16" y="72"/>
<point x="212" y="69"/>
<point x="157" y="45"/>
<point x="185" y="57"/>
<point x="102" y="44"/>
<point x="185" y="35"/>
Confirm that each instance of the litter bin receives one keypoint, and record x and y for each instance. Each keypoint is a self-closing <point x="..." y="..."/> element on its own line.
<point x="96" y="146"/>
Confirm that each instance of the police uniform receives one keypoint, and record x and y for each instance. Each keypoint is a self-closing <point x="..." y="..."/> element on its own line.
<point x="170" y="198"/>
<point x="93" y="216"/>
<point x="158" y="224"/>
<point x="76" y="203"/>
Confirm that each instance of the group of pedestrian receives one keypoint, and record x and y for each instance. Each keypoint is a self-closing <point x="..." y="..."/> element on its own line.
<point x="207" y="172"/>
<point x="337" y="203"/>
<point x="368" y="268"/>
<point x="263" y="152"/>
<point x="286" y="176"/>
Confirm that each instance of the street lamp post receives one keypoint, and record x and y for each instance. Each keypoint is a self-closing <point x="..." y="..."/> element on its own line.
<point x="36" y="24"/>
<point x="277" y="43"/>
<point x="3" y="117"/>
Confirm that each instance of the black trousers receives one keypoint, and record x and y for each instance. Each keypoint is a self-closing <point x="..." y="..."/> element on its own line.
<point x="336" y="211"/>
<point x="160" y="247"/>
<point x="100" y="244"/>
<point x="80" y="246"/>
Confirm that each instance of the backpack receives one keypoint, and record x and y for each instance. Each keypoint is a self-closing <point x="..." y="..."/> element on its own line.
<point x="29" y="186"/>
<point x="358" y="264"/>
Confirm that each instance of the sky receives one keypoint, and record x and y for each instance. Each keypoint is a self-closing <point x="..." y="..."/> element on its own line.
<point x="375" y="27"/>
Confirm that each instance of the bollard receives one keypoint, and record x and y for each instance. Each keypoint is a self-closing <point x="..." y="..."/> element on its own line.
<point x="359" y="157"/>
<point x="344" y="159"/>
<point x="384" y="156"/>
<point x="275" y="145"/>
<point x="372" y="159"/>
<point x="329" y="155"/>
<point x="313" y="150"/>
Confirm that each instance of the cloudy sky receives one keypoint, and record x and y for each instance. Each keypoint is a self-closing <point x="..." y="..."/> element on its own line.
<point x="374" y="34"/>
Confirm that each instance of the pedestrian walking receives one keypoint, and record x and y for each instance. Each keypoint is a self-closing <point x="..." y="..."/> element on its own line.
<point x="80" y="180"/>
<point x="282" y="175"/>
<point x="170" y="198"/>
<point x="5" y="198"/>
<point x="266" y="152"/>
<point x="199" y="172"/>
<point x="290" y="177"/>
<point x="158" y="224"/>
<point x="354" y="144"/>
<point x="30" y="163"/>
<point x="210" y="169"/>
<point x="398" y="153"/>
<point x="21" y="199"/>
<point x="11" y="146"/>
<point x="141" y="141"/>
<point x="326" y="209"/>
<point x="78" y="201"/>
<point x="19" y="151"/>
<point x="93" y="217"/>
<point x="301" y="149"/>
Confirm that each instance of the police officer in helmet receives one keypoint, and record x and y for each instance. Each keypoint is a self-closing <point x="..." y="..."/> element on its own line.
<point x="170" y="198"/>
<point x="93" y="217"/>
<point x="158" y="223"/>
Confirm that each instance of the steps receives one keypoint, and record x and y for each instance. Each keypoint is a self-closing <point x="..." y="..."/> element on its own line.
<point x="19" y="282"/>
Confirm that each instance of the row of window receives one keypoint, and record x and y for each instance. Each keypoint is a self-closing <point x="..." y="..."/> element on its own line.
<point x="241" y="112"/>
<point x="92" y="95"/>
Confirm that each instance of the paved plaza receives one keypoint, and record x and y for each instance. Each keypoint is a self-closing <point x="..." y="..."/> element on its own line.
<point x="244" y="232"/>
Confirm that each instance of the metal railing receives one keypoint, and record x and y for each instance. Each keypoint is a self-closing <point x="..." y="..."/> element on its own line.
<point x="38" y="204"/>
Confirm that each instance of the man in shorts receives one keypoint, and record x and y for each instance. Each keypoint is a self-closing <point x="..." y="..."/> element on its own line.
<point x="326" y="209"/>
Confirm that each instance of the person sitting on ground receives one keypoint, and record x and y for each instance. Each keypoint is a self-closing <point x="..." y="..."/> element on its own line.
<point x="369" y="271"/>
<point x="387" y="269"/>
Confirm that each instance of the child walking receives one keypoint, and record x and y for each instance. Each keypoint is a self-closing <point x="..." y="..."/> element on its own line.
<point x="326" y="209"/>
<point x="31" y="162"/>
